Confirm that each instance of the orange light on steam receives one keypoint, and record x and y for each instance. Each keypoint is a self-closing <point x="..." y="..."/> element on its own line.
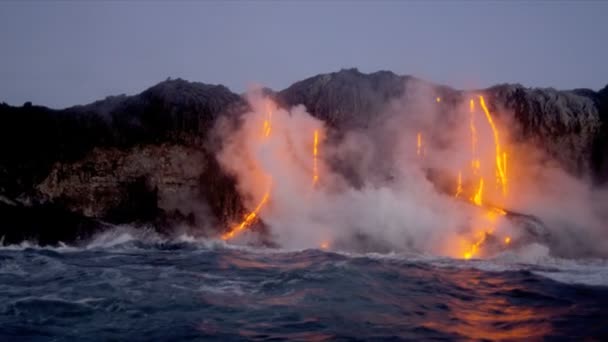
<point x="507" y="240"/>
<point x="459" y="186"/>
<point x="419" y="144"/>
<point x="475" y="165"/>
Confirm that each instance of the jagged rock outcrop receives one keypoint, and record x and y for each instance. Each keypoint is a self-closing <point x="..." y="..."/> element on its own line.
<point x="123" y="159"/>
<point x="563" y="123"/>
<point x="96" y="185"/>
<point x="347" y="98"/>
<point x="149" y="158"/>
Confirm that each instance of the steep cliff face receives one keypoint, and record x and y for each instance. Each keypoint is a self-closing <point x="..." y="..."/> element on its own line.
<point x="97" y="185"/>
<point x="149" y="158"/>
<point x="563" y="123"/>
<point x="138" y="159"/>
<point x="33" y="138"/>
<point x="599" y="156"/>
<point x="166" y="184"/>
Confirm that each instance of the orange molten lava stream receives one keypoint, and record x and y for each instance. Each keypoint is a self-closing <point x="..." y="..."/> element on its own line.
<point x="267" y="121"/>
<point x="491" y="213"/>
<point x="249" y="219"/>
<point x="499" y="211"/>
<point x="475" y="163"/>
<point x="419" y="145"/>
<point x="502" y="176"/>
<point x="477" y="199"/>
<point x="315" y="151"/>
<point x="475" y="247"/>
<point x="459" y="186"/>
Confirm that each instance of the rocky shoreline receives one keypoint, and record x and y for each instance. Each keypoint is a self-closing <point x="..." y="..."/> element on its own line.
<point x="149" y="159"/>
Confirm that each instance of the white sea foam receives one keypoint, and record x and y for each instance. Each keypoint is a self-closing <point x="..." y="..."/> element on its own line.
<point x="534" y="257"/>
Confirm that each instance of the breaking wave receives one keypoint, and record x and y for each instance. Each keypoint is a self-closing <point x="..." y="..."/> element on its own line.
<point x="129" y="283"/>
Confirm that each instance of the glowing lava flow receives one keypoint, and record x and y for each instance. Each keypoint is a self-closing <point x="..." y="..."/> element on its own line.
<point x="315" y="152"/>
<point x="419" y="144"/>
<point x="499" y="157"/>
<point x="459" y="186"/>
<point x="489" y="220"/>
<point x="475" y="164"/>
<point x="475" y="247"/>
<point x="267" y="121"/>
<point x="477" y="199"/>
<point x="249" y="219"/>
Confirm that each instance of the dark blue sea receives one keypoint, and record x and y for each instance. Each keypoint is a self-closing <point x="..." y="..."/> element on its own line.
<point x="131" y="289"/>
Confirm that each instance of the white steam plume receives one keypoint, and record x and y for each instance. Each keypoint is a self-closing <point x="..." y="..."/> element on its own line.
<point x="375" y="192"/>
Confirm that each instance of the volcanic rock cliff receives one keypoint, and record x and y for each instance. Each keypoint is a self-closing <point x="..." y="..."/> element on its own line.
<point x="148" y="159"/>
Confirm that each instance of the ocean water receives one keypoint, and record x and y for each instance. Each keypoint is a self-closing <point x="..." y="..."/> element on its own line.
<point x="123" y="288"/>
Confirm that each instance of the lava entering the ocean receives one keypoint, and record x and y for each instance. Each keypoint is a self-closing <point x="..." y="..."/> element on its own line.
<point x="279" y="164"/>
<point x="500" y="157"/>
<point x="249" y="219"/>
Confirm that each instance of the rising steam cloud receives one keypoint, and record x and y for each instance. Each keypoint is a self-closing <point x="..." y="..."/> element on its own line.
<point x="406" y="183"/>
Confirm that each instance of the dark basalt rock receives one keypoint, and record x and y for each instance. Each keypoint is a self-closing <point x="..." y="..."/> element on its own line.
<point x="45" y="224"/>
<point x="563" y="123"/>
<point x="127" y="159"/>
<point x="345" y="99"/>
<point x="599" y="151"/>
